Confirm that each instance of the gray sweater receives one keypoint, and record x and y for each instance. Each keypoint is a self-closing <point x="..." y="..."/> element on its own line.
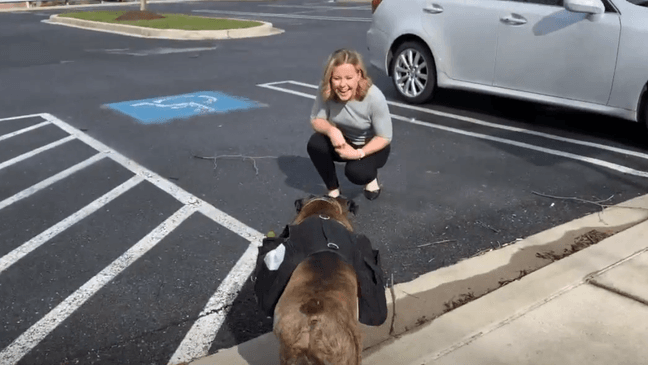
<point x="358" y="121"/>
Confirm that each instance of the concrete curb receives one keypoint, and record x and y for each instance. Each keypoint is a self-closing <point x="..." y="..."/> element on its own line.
<point x="81" y="6"/>
<point x="127" y="3"/>
<point x="437" y="294"/>
<point x="265" y="29"/>
<point x="476" y="319"/>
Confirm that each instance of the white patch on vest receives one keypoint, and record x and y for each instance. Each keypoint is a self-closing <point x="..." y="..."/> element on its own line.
<point x="274" y="258"/>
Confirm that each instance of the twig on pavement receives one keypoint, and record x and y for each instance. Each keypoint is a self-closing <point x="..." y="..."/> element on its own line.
<point x="253" y="158"/>
<point x="411" y="295"/>
<point x="393" y="295"/>
<point x="599" y="203"/>
<point x="434" y="243"/>
<point x="487" y="226"/>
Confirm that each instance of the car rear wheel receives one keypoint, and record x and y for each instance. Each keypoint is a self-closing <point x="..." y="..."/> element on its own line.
<point x="413" y="72"/>
<point x="643" y="110"/>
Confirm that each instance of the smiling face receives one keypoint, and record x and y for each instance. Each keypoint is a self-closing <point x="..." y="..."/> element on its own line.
<point x="344" y="81"/>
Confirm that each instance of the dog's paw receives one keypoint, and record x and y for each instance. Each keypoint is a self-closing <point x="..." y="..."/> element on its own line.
<point x="352" y="207"/>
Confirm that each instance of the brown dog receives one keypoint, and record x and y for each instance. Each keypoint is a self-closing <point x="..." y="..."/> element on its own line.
<point x="319" y="280"/>
<point x="316" y="317"/>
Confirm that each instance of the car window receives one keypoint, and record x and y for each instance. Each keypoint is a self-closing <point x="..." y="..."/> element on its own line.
<point x="542" y="2"/>
<point x="643" y="3"/>
<point x="608" y="6"/>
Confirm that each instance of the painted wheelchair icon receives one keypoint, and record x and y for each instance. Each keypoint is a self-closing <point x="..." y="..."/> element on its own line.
<point x="167" y="108"/>
<point x="198" y="107"/>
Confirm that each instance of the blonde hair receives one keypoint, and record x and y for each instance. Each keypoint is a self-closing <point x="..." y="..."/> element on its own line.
<point x="341" y="57"/>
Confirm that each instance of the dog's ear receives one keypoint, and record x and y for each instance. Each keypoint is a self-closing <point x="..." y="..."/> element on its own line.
<point x="352" y="206"/>
<point x="299" y="203"/>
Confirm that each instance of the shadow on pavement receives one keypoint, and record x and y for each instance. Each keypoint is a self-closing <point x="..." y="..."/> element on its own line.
<point x="244" y="322"/>
<point x="302" y="175"/>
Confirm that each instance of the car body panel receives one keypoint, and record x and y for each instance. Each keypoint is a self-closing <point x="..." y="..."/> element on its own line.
<point x="544" y="99"/>
<point x="632" y="64"/>
<point x="558" y="53"/>
<point x="471" y="23"/>
<point x="593" y="87"/>
<point x="384" y="31"/>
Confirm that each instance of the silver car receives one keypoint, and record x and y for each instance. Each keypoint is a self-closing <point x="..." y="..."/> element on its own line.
<point x="590" y="55"/>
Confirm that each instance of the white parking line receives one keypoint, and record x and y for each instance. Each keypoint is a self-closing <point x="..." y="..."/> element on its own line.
<point x="289" y="16"/>
<point x="203" y="332"/>
<point x="51" y="180"/>
<point x="198" y="340"/>
<point x="594" y="161"/>
<point x="24" y="130"/>
<point x="20" y="117"/>
<point x="175" y="191"/>
<point x="35" y="152"/>
<point x="271" y="85"/>
<point x="153" y="51"/>
<point x="591" y="160"/>
<point x="14" y="256"/>
<point x="499" y="126"/>
<point x="325" y="7"/>
<point x="36" y="333"/>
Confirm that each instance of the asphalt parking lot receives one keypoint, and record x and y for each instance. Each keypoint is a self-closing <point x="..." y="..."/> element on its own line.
<point x="467" y="169"/>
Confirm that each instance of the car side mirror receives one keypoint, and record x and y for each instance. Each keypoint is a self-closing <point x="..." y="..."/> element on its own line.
<point x="585" y="6"/>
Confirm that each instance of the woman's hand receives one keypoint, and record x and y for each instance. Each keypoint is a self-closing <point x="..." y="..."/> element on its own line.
<point x="349" y="153"/>
<point x="337" y="138"/>
<point x="346" y="152"/>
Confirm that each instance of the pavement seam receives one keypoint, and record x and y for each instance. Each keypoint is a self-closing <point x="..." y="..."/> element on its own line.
<point x="592" y="276"/>
<point x="618" y="292"/>
<point x="593" y="279"/>
<point x="502" y="323"/>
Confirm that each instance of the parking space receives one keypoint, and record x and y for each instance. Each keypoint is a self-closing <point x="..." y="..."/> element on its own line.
<point x="623" y="160"/>
<point x="97" y="233"/>
<point x="127" y="232"/>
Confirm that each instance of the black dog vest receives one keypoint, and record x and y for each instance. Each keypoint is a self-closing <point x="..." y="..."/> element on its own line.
<point x="317" y="234"/>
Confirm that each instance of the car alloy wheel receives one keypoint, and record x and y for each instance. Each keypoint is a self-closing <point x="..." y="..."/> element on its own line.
<point x="413" y="72"/>
<point x="643" y="108"/>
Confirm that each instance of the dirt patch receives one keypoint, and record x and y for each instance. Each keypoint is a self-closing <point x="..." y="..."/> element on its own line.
<point x="139" y="15"/>
<point x="580" y="242"/>
<point x="463" y="299"/>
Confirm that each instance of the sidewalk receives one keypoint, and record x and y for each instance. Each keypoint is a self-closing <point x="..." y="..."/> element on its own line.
<point x="588" y="308"/>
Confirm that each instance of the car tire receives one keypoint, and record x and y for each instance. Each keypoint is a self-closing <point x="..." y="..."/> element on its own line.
<point x="413" y="72"/>
<point x="643" y="109"/>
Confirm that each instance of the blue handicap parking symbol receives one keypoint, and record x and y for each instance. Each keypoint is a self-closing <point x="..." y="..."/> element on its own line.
<point x="165" y="109"/>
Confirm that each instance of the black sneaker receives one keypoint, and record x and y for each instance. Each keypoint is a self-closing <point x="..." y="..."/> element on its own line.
<point x="371" y="195"/>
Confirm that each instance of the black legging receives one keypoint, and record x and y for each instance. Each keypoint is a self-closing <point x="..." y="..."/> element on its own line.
<point x="360" y="172"/>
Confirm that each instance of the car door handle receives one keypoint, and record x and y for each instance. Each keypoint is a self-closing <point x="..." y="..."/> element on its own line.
<point x="513" y="19"/>
<point x="433" y="9"/>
